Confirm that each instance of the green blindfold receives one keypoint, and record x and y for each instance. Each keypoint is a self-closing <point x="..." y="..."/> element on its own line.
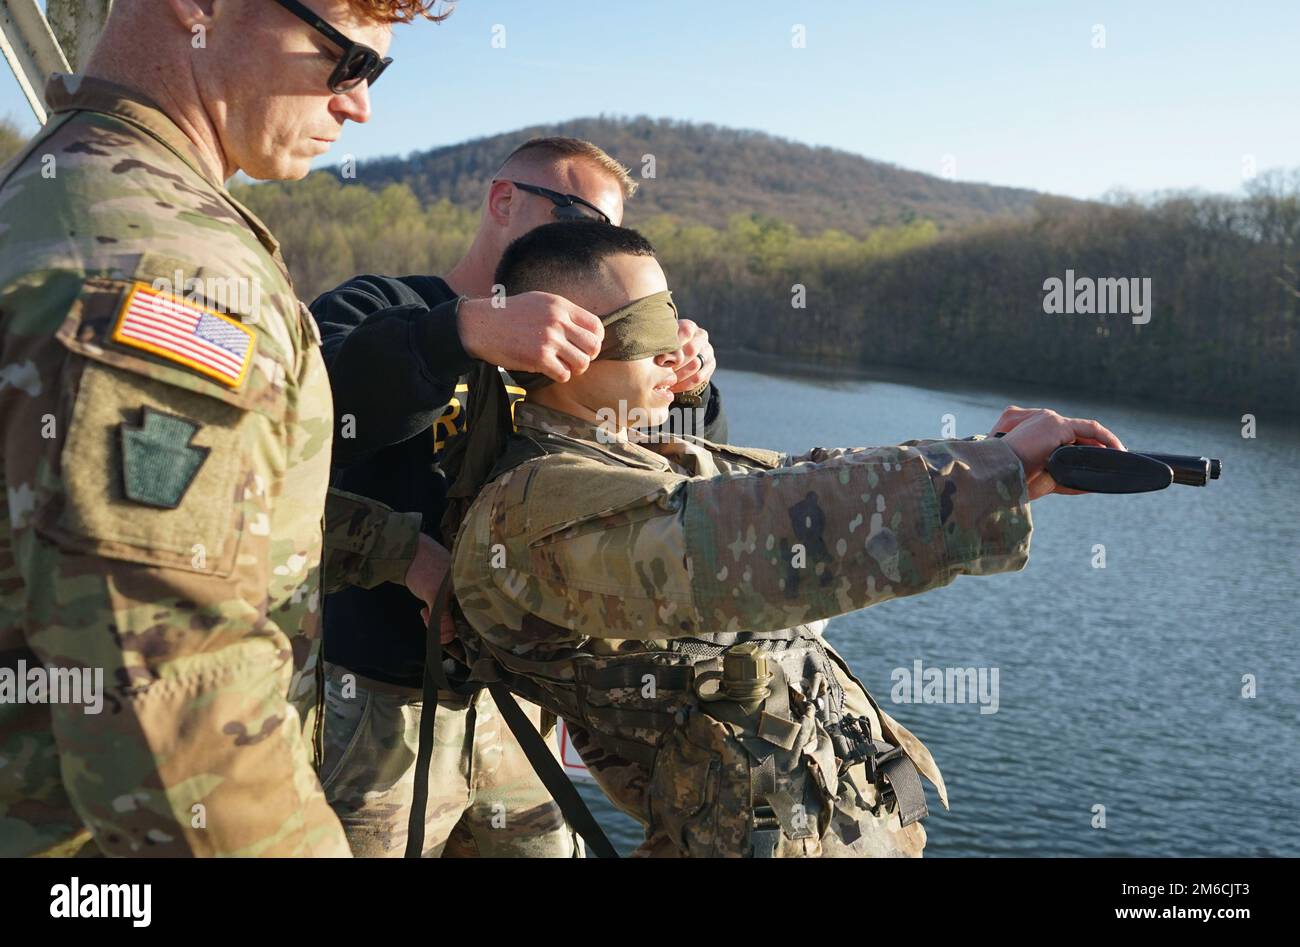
<point x="643" y="328"/>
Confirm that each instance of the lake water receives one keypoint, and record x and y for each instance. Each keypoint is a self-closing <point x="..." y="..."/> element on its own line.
<point x="1120" y="686"/>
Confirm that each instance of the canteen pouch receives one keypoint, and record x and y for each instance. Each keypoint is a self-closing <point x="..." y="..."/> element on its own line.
<point x="765" y="781"/>
<point x="702" y="795"/>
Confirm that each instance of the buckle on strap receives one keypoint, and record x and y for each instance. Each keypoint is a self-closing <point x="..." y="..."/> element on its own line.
<point x="899" y="784"/>
<point x="889" y="768"/>
<point x="852" y="742"/>
<point x="765" y="833"/>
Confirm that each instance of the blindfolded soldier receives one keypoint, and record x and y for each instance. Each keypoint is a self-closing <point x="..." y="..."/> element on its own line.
<point x="666" y="595"/>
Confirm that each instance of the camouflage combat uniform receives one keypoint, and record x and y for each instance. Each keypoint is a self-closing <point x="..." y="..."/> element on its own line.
<point x="165" y="462"/>
<point x="484" y="800"/>
<point x="608" y="581"/>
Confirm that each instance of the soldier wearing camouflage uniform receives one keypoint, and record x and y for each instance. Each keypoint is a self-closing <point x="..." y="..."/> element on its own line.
<point x="666" y="596"/>
<point x="396" y="348"/>
<point x="166" y="443"/>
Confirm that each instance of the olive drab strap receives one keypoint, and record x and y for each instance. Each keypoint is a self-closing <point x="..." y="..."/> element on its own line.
<point x="429" y="707"/>
<point x="911" y="797"/>
<point x="897" y="777"/>
<point x="552" y="775"/>
<point x="534" y="745"/>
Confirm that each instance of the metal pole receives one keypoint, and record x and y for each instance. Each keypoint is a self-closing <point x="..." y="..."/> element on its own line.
<point x="30" y="49"/>
<point x="77" y="25"/>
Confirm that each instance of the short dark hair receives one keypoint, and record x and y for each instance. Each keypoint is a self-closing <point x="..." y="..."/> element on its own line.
<point x="550" y="258"/>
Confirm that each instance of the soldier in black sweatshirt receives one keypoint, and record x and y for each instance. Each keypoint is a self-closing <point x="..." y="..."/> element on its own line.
<point x="396" y="349"/>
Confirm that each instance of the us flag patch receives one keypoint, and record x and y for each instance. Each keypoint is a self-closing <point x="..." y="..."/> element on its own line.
<point x="181" y="331"/>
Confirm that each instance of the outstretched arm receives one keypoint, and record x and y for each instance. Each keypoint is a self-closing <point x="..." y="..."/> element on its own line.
<point x="622" y="553"/>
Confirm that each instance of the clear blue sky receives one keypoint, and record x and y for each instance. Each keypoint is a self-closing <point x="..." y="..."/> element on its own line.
<point x="1013" y="90"/>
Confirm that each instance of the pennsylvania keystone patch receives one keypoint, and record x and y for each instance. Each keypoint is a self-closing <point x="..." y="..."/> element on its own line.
<point x="158" y="461"/>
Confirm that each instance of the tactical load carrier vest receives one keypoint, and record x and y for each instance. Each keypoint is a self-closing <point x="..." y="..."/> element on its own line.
<point x="746" y="737"/>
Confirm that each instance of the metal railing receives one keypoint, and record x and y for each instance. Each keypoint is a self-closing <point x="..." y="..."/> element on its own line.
<point x="34" y="47"/>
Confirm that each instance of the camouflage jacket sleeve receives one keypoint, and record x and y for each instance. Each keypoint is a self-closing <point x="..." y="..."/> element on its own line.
<point x="140" y="543"/>
<point x="819" y="454"/>
<point x="160" y="504"/>
<point x="366" y="542"/>
<point x="611" y="551"/>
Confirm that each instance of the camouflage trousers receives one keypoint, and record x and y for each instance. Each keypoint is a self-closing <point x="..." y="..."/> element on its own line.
<point x="484" y="798"/>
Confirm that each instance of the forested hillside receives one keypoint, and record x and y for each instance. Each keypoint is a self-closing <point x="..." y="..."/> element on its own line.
<point x="1223" y="323"/>
<point x="706" y="174"/>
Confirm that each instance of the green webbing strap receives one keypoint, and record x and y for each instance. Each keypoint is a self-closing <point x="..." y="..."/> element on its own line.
<point x="434" y="676"/>
<point x="558" y="784"/>
<point x="553" y="777"/>
<point x="899" y="772"/>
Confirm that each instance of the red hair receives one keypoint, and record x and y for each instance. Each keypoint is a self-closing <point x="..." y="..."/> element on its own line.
<point x="403" y="11"/>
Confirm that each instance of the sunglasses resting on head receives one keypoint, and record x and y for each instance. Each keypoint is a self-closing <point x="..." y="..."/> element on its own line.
<point x="567" y="206"/>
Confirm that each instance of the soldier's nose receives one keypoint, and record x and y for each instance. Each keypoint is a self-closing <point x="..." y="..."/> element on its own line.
<point x="353" y="104"/>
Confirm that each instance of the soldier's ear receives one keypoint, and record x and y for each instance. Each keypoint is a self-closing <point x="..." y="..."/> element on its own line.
<point x="195" y="13"/>
<point x="499" y="201"/>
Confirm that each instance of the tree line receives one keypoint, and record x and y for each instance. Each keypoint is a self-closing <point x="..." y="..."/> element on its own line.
<point x="970" y="303"/>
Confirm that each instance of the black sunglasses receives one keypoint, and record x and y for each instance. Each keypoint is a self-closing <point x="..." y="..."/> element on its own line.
<point x="567" y="206"/>
<point x="358" y="63"/>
